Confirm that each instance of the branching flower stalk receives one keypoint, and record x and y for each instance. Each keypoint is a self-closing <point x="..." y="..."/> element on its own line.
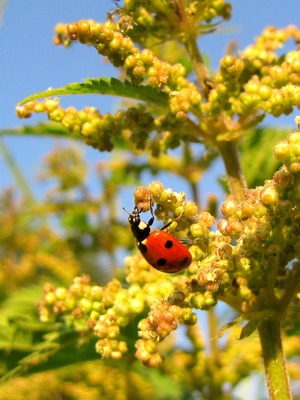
<point x="250" y="260"/>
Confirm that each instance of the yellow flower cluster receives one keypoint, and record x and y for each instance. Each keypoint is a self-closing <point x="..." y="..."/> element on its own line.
<point x="228" y="264"/>
<point x="157" y="18"/>
<point x="258" y="79"/>
<point x="289" y="152"/>
<point x="101" y="310"/>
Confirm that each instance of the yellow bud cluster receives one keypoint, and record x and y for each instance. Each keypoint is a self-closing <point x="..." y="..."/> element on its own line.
<point x="146" y="352"/>
<point x="252" y="222"/>
<point x="103" y="310"/>
<point x="203" y="301"/>
<point x="162" y="319"/>
<point x="159" y="17"/>
<point x="132" y="126"/>
<point x="181" y="102"/>
<point x="289" y="152"/>
<point x="268" y="42"/>
<point x="111" y="348"/>
<point x="98" y="130"/>
<point x="110" y="41"/>
<point x="107" y="39"/>
<point x="173" y="203"/>
<point x="258" y="78"/>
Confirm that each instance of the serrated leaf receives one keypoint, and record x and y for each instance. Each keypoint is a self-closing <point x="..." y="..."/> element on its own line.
<point x="107" y="86"/>
<point x="22" y="303"/>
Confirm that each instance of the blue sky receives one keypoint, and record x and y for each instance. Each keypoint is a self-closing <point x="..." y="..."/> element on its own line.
<point x="31" y="63"/>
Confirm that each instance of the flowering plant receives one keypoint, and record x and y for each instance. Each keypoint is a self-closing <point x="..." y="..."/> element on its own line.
<point x="181" y="118"/>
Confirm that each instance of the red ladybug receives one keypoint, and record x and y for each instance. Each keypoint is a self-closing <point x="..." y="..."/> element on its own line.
<point x="159" y="248"/>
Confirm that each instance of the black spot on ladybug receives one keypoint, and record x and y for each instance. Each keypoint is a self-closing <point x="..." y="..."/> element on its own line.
<point x="161" y="261"/>
<point x="142" y="247"/>
<point x="185" y="262"/>
<point x="169" y="244"/>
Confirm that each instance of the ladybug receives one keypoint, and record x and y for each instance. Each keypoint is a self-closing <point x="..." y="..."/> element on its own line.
<point x="159" y="248"/>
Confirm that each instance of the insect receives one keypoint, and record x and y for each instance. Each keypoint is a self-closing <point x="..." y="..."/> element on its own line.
<point x="159" y="247"/>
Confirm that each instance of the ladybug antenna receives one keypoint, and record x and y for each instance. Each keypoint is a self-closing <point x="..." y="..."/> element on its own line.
<point x="134" y="212"/>
<point x="126" y="211"/>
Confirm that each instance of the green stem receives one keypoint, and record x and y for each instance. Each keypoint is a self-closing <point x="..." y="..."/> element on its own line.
<point x="198" y="65"/>
<point x="213" y="329"/>
<point x="236" y="180"/>
<point x="16" y="171"/>
<point x="274" y="361"/>
<point x="189" y="37"/>
<point x="215" y="389"/>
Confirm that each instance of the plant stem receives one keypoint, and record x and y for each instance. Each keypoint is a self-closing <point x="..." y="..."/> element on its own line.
<point x="16" y="171"/>
<point x="189" y="38"/>
<point x="198" y="65"/>
<point x="274" y="361"/>
<point x="236" y="180"/>
<point x="215" y="389"/>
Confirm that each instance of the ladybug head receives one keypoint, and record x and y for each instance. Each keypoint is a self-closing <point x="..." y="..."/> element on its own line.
<point x="134" y="217"/>
<point x="140" y="229"/>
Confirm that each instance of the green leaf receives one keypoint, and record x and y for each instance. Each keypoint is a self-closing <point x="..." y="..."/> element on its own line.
<point x="229" y="325"/>
<point x="167" y="387"/>
<point x="257" y="161"/>
<point x="43" y="128"/>
<point x="27" y="345"/>
<point x="107" y="86"/>
<point x="63" y="350"/>
<point x="21" y="303"/>
<point x="248" y="329"/>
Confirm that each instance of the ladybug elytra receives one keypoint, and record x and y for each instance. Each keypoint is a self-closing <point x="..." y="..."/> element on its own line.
<point x="159" y="247"/>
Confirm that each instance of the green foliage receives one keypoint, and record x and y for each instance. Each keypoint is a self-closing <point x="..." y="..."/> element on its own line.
<point x="256" y="148"/>
<point x="39" y="129"/>
<point x="107" y="86"/>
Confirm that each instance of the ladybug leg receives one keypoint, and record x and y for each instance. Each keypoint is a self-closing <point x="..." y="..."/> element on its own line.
<point x="186" y="241"/>
<point x="151" y="220"/>
<point x="170" y="222"/>
<point x="165" y="226"/>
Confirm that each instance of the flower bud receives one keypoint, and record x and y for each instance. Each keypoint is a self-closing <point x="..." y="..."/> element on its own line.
<point x="269" y="196"/>
<point x="61" y="293"/>
<point x="155" y="361"/>
<point x="282" y="151"/>
<point x="294" y="137"/>
<point x="228" y="208"/>
<point x="198" y="230"/>
<point x="198" y="301"/>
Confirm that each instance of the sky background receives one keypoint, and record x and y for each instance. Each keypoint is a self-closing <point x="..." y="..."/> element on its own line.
<point x="31" y="63"/>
